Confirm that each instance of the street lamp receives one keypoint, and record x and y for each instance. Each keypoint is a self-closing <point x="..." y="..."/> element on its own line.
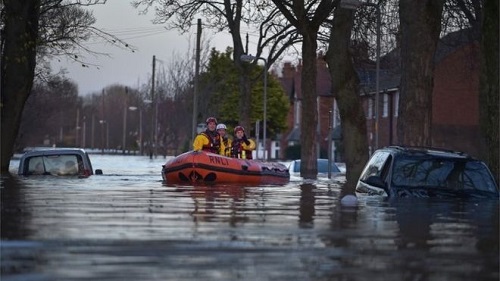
<point x="84" y="135"/>
<point x="353" y="5"/>
<point x="250" y="58"/>
<point x="140" y="131"/>
<point x="103" y="122"/>
<point x="148" y="101"/>
<point x="131" y="108"/>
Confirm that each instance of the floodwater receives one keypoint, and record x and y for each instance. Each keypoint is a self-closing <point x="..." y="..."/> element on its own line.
<point x="128" y="225"/>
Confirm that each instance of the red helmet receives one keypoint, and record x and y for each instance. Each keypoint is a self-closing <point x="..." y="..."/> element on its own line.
<point x="238" y="128"/>
<point x="211" y="119"/>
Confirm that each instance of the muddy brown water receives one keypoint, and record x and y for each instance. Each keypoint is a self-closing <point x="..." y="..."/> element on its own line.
<point x="128" y="225"/>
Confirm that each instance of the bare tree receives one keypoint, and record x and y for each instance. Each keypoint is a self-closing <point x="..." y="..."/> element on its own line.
<point x="489" y="86"/>
<point x="19" y="42"/>
<point x="420" y="28"/>
<point x="31" y="31"/>
<point x="49" y="113"/>
<point x="65" y="26"/>
<point x="307" y="17"/>
<point x="346" y="92"/>
<point x="229" y="15"/>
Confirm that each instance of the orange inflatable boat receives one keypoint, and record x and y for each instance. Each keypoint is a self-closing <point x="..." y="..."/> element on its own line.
<point x="200" y="167"/>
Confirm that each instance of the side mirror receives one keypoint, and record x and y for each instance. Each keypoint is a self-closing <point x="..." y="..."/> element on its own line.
<point x="98" y="171"/>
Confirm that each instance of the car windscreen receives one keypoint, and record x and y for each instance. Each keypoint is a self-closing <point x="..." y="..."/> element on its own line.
<point x="54" y="165"/>
<point x="460" y="174"/>
<point x="322" y="167"/>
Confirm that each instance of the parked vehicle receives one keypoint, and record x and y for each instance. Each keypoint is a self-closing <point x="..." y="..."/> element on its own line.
<point x="56" y="162"/>
<point x="322" y="164"/>
<point x="426" y="172"/>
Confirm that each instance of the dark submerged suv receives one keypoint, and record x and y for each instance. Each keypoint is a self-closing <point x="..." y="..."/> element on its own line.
<point x="426" y="172"/>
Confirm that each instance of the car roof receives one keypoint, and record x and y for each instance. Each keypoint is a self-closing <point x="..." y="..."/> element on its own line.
<point x="53" y="151"/>
<point x="431" y="151"/>
<point x="322" y="165"/>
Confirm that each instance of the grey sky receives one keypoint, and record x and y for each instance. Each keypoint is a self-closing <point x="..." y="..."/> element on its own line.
<point x="123" y="66"/>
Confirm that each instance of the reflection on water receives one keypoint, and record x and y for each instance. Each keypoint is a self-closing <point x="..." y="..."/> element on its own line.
<point x="127" y="225"/>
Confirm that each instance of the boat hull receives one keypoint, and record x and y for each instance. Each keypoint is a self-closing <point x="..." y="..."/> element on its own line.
<point x="199" y="167"/>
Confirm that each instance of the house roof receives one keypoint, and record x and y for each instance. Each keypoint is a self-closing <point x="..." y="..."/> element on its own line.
<point x="390" y="74"/>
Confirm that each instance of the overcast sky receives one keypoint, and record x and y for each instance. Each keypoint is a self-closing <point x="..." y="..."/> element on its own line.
<point x="125" y="67"/>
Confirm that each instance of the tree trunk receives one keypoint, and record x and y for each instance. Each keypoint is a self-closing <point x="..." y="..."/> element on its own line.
<point x="420" y="23"/>
<point x="19" y="41"/>
<point x="346" y="92"/>
<point x="307" y="24"/>
<point x="489" y="88"/>
<point x="309" y="120"/>
<point x="233" y="11"/>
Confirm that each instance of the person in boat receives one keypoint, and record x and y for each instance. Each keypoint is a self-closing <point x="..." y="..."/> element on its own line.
<point x="209" y="140"/>
<point x="221" y="129"/>
<point x="39" y="169"/>
<point x="242" y="146"/>
<point x="69" y="169"/>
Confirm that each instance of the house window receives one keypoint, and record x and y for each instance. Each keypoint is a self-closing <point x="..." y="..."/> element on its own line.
<point x="385" y="111"/>
<point x="370" y="109"/>
<point x="396" y="103"/>
<point x="297" y="113"/>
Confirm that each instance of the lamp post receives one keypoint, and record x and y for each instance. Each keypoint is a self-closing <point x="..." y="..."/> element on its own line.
<point x="124" y="136"/>
<point x="249" y="58"/>
<point x="131" y="108"/>
<point x="148" y="101"/>
<point x="103" y="122"/>
<point x="140" y="131"/>
<point x="84" y="134"/>
<point x="353" y="5"/>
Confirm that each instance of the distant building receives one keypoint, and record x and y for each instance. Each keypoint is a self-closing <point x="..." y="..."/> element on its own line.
<point x="455" y="98"/>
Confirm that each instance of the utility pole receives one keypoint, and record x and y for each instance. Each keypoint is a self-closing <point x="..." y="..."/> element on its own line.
<point x="124" y="136"/>
<point x="77" y="128"/>
<point x="93" y="124"/>
<point x="196" y="81"/>
<point x="101" y="121"/>
<point x="153" y="115"/>
<point x="84" y="132"/>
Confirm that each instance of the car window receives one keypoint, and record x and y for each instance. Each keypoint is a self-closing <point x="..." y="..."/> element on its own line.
<point x="36" y="166"/>
<point x="445" y="173"/>
<point x="375" y="165"/>
<point x="87" y="159"/>
<point x="67" y="165"/>
<point x="296" y="167"/>
<point x="323" y="167"/>
<point x="476" y="175"/>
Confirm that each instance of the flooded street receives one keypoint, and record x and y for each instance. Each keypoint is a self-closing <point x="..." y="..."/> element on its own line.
<point x="128" y="225"/>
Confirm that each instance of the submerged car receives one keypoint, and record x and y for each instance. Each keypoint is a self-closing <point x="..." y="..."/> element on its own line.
<point x="322" y="164"/>
<point x="426" y="172"/>
<point x="56" y="162"/>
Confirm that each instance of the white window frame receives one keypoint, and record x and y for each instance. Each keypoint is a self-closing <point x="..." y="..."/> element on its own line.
<point x="385" y="110"/>
<point x="396" y="103"/>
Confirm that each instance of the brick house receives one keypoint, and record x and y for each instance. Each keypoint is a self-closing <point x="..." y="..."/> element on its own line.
<point x="455" y="106"/>
<point x="291" y="82"/>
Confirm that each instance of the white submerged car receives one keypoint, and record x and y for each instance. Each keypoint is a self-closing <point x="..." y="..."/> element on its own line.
<point x="322" y="164"/>
<point x="56" y="162"/>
